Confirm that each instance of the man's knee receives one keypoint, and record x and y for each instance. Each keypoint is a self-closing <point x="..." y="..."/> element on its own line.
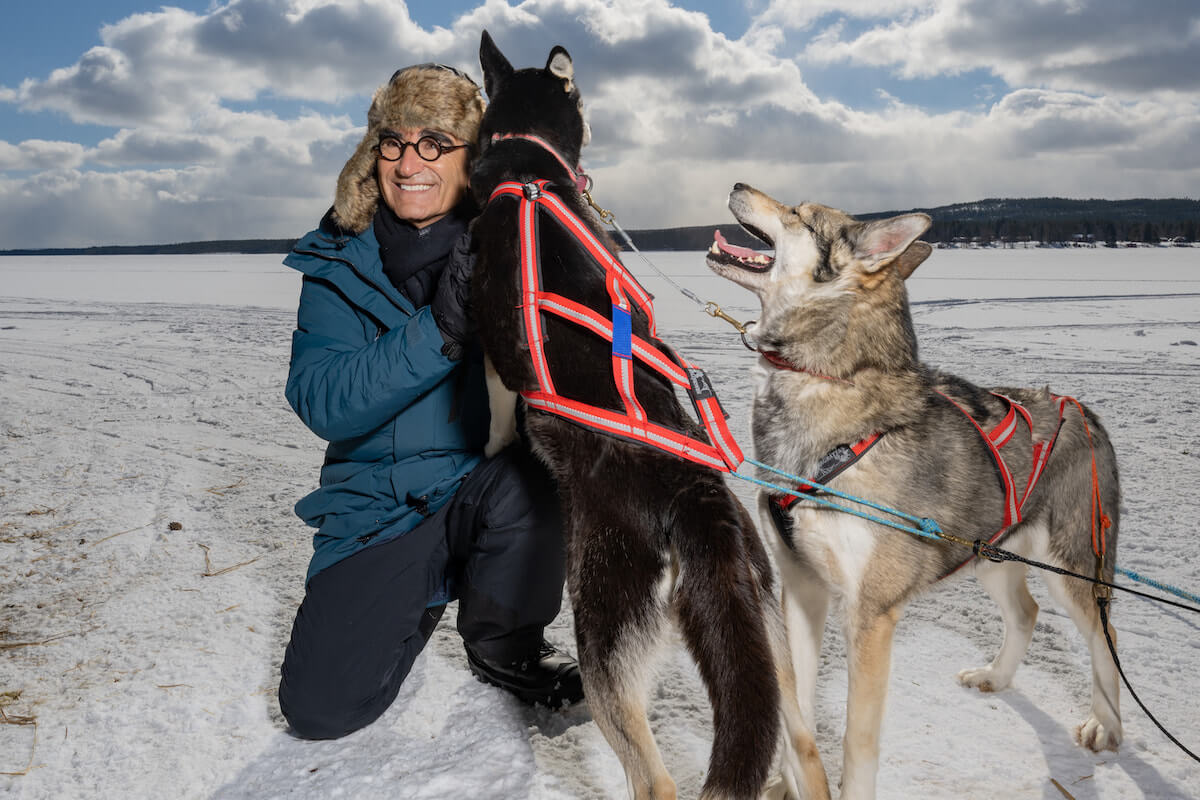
<point x="323" y="698"/>
<point x="329" y="711"/>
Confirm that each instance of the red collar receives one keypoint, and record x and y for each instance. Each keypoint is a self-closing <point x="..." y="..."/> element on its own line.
<point x="777" y="360"/>
<point x="582" y="181"/>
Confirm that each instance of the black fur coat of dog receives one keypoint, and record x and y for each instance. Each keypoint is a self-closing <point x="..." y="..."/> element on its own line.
<point x="649" y="536"/>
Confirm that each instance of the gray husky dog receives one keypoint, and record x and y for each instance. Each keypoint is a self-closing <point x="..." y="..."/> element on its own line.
<point x="841" y="395"/>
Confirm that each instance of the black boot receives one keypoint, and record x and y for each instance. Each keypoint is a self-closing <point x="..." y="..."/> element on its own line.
<point x="548" y="676"/>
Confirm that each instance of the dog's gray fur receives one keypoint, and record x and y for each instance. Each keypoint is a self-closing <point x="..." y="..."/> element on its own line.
<point x="834" y="303"/>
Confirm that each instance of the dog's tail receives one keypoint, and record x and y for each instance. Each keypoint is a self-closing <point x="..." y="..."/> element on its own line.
<point x="723" y="596"/>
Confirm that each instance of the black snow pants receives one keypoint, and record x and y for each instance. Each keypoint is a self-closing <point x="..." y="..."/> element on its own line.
<point x="365" y="619"/>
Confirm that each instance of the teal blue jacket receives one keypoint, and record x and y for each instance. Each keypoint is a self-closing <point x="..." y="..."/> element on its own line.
<point x="404" y="423"/>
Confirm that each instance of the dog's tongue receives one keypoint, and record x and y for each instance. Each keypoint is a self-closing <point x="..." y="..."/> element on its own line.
<point x="732" y="249"/>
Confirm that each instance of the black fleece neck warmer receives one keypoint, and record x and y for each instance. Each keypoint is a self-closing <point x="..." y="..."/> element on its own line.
<point x="413" y="258"/>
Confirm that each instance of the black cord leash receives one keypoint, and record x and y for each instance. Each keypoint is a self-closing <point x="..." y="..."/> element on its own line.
<point x="996" y="554"/>
<point x="993" y="553"/>
<point x="1102" y="602"/>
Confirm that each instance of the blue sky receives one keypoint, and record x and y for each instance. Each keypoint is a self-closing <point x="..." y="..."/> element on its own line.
<point x="129" y="122"/>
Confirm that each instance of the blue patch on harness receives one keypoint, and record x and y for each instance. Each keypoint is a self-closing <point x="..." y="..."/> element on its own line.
<point x="622" y="327"/>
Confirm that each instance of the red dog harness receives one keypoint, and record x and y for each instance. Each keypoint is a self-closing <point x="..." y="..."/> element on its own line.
<point x="625" y="293"/>
<point x="832" y="464"/>
<point x="1001" y="435"/>
<point x="843" y="456"/>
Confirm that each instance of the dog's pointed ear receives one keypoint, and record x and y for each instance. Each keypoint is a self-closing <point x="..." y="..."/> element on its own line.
<point x="560" y="65"/>
<point x="912" y="257"/>
<point x="878" y="242"/>
<point x="496" y="68"/>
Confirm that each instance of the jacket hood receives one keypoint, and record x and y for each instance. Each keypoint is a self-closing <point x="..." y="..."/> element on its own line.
<point x="423" y="96"/>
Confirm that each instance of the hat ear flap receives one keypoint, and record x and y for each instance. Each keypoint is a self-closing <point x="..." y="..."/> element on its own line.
<point x="357" y="189"/>
<point x="560" y="65"/>
<point x="496" y="68"/>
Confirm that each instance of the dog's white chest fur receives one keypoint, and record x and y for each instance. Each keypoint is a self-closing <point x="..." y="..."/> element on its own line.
<point x="839" y="546"/>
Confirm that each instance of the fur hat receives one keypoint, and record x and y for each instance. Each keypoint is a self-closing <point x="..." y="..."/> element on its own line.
<point x="422" y="96"/>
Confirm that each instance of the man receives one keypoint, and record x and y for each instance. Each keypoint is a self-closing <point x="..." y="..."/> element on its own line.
<point x="409" y="513"/>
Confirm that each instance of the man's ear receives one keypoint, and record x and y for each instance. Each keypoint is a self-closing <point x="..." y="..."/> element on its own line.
<point x="877" y="243"/>
<point x="560" y="65"/>
<point x="496" y="68"/>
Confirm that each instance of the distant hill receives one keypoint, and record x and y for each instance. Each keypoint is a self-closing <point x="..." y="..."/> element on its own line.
<point x="1058" y="219"/>
<point x="1041" y="219"/>
<point x="181" y="248"/>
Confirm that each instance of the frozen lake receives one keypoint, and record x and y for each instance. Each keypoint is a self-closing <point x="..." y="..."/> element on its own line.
<point x="261" y="280"/>
<point x="140" y="391"/>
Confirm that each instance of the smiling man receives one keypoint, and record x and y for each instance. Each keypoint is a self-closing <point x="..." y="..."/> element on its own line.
<point x="409" y="513"/>
<point x="422" y="174"/>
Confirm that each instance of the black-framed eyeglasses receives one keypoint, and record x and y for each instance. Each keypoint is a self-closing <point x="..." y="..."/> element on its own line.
<point x="391" y="148"/>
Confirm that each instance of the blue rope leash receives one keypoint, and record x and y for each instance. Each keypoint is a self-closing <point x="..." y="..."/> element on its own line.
<point x="1164" y="587"/>
<point x="926" y="528"/>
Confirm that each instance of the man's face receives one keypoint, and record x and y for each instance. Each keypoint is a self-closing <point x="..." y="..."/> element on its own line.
<point x="418" y="191"/>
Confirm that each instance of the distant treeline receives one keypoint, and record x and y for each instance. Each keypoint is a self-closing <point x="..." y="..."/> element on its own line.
<point x="1039" y="219"/>
<point x="1056" y="219"/>
<point x="182" y="248"/>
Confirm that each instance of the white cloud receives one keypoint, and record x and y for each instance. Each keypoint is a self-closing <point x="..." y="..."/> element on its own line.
<point x="136" y="147"/>
<point x="799" y="14"/>
<point x="164" y="67"/>
<point x="1099" y="46"/>
<point x="678" y="112"/>
<point x="40" y="154"/>
<point x="63" y="208"/>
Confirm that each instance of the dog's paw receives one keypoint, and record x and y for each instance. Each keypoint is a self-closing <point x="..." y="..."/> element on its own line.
<point x="1095" y="736"/>
<point x="985" y="679"/>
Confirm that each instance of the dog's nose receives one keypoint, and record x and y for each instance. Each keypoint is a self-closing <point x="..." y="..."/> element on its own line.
<point x="739" y="187"/>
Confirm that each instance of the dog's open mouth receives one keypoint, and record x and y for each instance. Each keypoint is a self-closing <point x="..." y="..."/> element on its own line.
<point x="722" y="252"/>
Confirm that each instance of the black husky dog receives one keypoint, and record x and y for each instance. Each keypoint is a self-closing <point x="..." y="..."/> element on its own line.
<point x="647" y="533"/>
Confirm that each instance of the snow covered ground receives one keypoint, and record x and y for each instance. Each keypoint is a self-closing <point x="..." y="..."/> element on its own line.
<point x="150" y="563"/>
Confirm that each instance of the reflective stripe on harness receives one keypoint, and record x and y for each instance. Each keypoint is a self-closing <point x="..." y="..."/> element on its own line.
<point x="625" y="294"/>
<point x="842" y="457"/>
<point x="995" y="439"/>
